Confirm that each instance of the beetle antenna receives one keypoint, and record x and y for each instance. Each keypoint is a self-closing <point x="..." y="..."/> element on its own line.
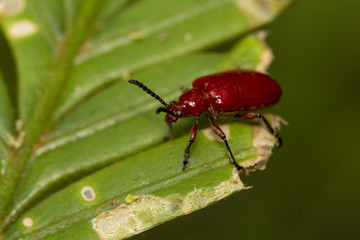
<point x="162" y="109"/>
<point x="148" y="91"/>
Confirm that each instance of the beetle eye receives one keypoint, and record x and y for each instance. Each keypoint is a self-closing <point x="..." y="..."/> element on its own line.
<point x="172" y="102"/>
<point x="178" y="113"/>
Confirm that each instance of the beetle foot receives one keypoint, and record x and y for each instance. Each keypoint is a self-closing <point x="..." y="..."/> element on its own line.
<point x="185" y="164"/>
<point x="240" y="169"/>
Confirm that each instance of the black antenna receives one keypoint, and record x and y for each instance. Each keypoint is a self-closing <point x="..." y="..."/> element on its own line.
<point x="162" y="109"/>
<point x="146" y="89"/>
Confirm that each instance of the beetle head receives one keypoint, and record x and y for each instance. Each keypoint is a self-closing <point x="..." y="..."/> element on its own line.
<point x="174" y="111"/>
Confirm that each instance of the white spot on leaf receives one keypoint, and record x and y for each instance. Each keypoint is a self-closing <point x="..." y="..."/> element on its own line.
<point x="88" y="193"/>
<point x="11" y="7"/>
<point x="28" y="222"/>
<point x="22" y="29"/>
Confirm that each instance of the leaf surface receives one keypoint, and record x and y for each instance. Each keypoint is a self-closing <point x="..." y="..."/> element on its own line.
<point x="88" y="144"/>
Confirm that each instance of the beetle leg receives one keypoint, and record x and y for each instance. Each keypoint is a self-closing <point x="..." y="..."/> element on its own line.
<point x="252" y="115"/>
<point x="192" y="139"/>
<point x="217" y="130"/>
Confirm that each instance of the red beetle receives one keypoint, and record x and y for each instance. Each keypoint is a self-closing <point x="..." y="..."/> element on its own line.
<point x="234" y="93"/>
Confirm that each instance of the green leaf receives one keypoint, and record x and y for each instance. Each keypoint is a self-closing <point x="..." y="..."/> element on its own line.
<point x="88" y="151"/>
<point x="6" y="114"/>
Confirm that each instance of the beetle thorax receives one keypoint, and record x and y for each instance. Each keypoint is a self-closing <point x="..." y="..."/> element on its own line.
<point x="191" y="103"/>
<point x="196" y="101"/>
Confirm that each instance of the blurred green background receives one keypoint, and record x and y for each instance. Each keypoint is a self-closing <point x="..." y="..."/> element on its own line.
<point x="311" y="187"/>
